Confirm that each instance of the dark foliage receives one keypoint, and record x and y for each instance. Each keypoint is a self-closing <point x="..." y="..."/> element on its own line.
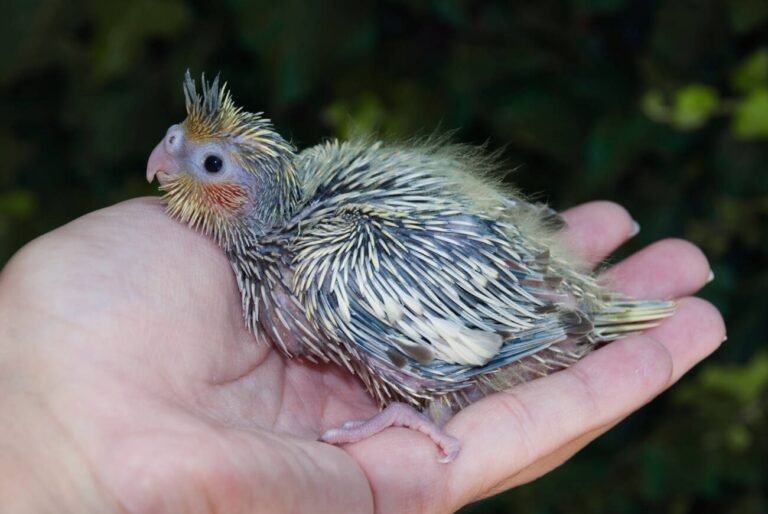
<point x="661" y="106"/>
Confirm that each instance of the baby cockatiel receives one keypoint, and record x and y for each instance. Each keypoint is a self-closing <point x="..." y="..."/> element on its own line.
<point x="399" y="263"/>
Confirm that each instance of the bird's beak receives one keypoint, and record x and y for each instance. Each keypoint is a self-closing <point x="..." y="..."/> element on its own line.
<point x="162" y="164"/>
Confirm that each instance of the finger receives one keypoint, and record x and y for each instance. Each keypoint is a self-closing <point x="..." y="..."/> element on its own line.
<point x="550" y="462"/>
<point x="537" y="418"/>
<point x="695" y="331"/>
<point x="665" y="269"/>
<point x="686" y="347"/>
<point x="540" y="418"/>
<point x="385" y="457"/>
<point x="596" y="229"/>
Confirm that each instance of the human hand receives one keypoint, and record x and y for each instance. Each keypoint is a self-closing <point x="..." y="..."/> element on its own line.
<point x="130" y="384"/>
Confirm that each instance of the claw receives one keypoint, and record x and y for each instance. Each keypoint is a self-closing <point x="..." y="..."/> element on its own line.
<point x="395" y="415"/>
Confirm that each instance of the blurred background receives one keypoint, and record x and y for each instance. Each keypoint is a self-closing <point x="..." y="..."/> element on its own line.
<point x="661" y="106"/>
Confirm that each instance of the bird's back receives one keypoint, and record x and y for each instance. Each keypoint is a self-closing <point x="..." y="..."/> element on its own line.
<point x="408" y="268"/>
<point x="406" y="259"/>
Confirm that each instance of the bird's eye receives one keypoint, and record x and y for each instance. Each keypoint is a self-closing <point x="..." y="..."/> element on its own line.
<point x="213" y="164"/>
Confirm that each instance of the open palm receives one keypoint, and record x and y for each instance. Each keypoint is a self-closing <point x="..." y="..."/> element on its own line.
<point x="126" y="329"/>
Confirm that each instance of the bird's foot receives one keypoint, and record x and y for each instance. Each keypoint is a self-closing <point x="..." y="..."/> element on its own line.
<point x="394" y="415"/>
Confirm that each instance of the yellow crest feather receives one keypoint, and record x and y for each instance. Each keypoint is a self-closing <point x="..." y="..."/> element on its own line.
<point x="212" y="114"/>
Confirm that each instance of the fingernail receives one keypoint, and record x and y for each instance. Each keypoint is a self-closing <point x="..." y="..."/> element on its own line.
<point x="725" y="338"/>
<point x="711" y="276"/>
<point x="635" y="229"/>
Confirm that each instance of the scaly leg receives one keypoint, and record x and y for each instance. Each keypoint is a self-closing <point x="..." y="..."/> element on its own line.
<point x="394" y="415"/>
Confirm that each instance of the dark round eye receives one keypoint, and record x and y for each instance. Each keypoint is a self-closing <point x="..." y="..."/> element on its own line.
<point x="213" y="164"/>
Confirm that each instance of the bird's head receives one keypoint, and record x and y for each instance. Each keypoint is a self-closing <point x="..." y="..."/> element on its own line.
<point x="224" y="170"/>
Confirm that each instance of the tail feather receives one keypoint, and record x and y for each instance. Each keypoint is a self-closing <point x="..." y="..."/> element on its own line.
<point x="623" y="316"/>
<point x="546" y="349"/>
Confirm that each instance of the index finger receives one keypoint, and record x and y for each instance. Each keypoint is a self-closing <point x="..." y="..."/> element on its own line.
<point x="595" y="229"/>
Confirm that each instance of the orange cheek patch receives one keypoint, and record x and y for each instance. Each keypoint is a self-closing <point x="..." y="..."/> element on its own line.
<point x="226" y="196"/>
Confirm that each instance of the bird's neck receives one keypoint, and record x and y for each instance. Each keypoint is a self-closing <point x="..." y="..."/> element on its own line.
<point x="281" y="197"/>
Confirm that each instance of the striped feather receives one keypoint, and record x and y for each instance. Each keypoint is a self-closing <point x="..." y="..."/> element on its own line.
<point x="391" y="269"/>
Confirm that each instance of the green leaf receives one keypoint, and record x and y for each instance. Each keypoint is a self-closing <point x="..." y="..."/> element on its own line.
<point x="693" y="106"/>
<point x="745" y="384"/>
<point x="362" y="116"/>
<point x="750" y="119"/>
<point x="739" y="438"/>
<point x="752" y="72"/>
<point x="654" y="105"/>
<point x="17" y="204"/>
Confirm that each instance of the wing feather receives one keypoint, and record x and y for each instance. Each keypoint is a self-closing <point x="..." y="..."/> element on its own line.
<point x="395" y="258"/>
<point x="439" y="298"/>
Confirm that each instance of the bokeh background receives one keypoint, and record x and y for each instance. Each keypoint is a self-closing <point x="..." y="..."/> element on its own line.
<point x="661" y="106"/>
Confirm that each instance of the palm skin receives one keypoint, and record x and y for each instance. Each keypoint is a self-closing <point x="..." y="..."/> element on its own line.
<point x="127" y="364"/>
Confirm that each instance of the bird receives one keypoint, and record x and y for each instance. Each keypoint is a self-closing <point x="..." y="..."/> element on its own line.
<point x="409" y="264"/>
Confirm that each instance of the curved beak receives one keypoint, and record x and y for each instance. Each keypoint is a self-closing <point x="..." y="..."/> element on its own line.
<point x="163" y="161"/>
<point x="159" y="164"/>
